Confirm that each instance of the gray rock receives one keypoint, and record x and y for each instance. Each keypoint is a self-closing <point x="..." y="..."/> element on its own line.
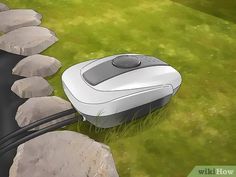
<point x="3" y="7"/>
<point x="37" y="65"/>
<point x="63" y="154"/>
<point x="32" y="87"/>
<point x="27" y="40"/>
<point x="40" y="107"/>
<point x="13" y="19"/>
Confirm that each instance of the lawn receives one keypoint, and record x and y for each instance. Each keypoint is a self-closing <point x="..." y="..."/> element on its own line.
<point x="223" y="9"/>
<point x="198" y="126"/>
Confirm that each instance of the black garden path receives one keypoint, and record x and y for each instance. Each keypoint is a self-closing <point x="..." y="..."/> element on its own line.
<point x="9" y="102"/>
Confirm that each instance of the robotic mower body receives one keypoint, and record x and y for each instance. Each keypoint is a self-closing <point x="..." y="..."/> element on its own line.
<point x="116" y="89"/>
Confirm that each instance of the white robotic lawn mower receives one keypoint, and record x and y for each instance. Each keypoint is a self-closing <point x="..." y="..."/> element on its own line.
<point x="116" y="89"/>
<point x="108" y="92"/>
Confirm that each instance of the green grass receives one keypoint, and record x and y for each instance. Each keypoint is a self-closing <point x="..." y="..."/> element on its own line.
<point x="198" y="125"/>
<point x="222" y="9"/>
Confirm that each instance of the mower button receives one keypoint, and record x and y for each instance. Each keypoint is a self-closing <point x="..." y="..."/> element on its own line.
<point x="126" y="61"/>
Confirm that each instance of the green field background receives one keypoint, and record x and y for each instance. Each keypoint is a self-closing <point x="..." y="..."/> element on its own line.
<point x="198" y="126"/>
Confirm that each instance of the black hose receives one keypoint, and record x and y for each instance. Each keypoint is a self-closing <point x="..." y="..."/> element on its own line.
<point x="35" y="124"/>
<point x="36" y="134"/>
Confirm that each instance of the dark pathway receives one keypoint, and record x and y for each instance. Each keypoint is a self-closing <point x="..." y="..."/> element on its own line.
<point x="9" y="102"/>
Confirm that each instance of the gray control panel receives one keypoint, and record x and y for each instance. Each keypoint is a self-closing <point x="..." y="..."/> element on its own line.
<point x="119" y="65"/>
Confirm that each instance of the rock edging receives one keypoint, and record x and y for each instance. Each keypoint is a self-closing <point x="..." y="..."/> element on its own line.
<point x="17" y="18"/>
<point x="59" y="153"/>
<point x="27" y="40"/>
<point x="37" y="65"/>
<point x="63" y="154"/>
<point x="3" y="7"/>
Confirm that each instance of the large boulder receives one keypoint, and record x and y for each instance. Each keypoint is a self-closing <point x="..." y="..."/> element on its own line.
<point x="3" y="7"/>
<point x="32" y="87"/>
<point x="13" y="19"/>
<point x="37" y="65"/>
<point x="40" y="107"/>
<point x="27" y="40"/>
<point x="63" y="154"/>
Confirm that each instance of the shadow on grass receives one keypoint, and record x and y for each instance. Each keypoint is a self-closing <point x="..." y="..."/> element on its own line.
<point x="125" y="130"/>
<point x="219" y="8"/>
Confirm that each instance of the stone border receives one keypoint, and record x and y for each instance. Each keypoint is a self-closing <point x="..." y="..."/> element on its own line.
<point x="3" y="7"/>
<point x="106" y="165"/>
